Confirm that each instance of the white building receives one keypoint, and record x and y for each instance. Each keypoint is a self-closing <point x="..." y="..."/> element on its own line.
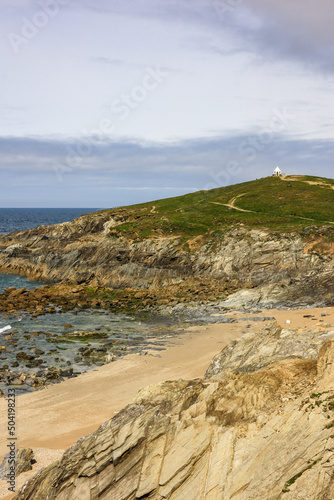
<point x="277" y="172"/>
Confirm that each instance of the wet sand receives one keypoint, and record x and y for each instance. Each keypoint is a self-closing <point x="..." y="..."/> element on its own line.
<point x="55" y="417"/>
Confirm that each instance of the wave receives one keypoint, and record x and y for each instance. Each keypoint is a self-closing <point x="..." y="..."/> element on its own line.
<point x="5" y="329"/>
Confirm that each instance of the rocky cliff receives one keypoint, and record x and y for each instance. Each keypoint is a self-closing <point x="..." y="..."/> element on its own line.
<point x="283" y="267"/>
<point x="259" y="426"/>
<point x="273" y="236"/>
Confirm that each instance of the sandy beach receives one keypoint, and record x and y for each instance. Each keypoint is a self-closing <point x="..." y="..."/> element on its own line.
<point x="52" y="419"/>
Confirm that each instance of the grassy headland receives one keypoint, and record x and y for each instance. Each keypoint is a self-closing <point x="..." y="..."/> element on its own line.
<point x="106" y="259"/>
<point x="301" y="204"/>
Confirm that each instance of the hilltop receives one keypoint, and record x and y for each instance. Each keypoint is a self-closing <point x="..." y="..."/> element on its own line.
<point x="279" y="204"/>
<point x="273" y="237"/>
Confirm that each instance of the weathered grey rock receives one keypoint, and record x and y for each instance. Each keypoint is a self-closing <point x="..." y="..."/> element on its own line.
<point x="23" y="462"/>
<point x="276" y="268"/>
<point x="254" y="351"/>
<point x="260" y="433"/>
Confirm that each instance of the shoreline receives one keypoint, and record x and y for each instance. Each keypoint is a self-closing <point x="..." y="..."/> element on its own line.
<point x="78" y="406"/>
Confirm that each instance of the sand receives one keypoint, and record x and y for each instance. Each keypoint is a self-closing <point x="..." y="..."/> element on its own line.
<point x="52" y="419"/>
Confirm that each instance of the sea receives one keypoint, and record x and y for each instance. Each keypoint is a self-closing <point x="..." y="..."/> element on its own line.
<point x="63" y="336"/>
<point x="18" y="219"/>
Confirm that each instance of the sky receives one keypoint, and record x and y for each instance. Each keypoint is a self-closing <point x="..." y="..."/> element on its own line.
<point x="107" y="103"/>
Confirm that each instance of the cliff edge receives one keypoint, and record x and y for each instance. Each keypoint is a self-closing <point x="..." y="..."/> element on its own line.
<point x="273" y="237"/>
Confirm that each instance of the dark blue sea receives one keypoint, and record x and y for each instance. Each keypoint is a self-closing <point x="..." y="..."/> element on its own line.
<point x="18" y="219"/>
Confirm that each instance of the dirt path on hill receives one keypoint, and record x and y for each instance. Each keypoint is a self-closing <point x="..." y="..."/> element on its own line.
<point x="312" y="183"/>
<point x="231" y="204"/>
<point x="294" y="178"/>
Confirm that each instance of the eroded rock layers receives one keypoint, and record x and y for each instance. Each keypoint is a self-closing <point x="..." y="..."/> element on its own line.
<point x="260" y="425"/>
<point x="281" y="267"/>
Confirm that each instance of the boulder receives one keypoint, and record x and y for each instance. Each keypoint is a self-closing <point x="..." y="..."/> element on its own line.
<point x="254" y="351"/>
<point x="24" y="458"/>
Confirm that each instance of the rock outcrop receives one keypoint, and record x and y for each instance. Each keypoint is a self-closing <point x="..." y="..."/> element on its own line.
<point x="254" y="351"/>
<point x="276" y="267"/>
<point x="259" y="426"/>
<point x="24" y="458"/>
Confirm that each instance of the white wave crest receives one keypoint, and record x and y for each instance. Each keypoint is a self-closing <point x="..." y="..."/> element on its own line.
<point x="5" y="329"/>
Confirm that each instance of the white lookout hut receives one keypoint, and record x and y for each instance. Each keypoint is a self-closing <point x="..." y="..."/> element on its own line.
<point x="277" y="172"/>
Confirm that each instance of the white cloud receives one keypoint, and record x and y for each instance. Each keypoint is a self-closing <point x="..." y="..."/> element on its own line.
<point x="226" y="75"/>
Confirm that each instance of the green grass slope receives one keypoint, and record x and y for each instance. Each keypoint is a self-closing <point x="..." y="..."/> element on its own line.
<point x="296" y="203"/>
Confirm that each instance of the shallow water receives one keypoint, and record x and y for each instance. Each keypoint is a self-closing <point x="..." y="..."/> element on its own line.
<point x="9" y="280"/>
<point x="77" y="340"/>
<point x="62" y="339"/>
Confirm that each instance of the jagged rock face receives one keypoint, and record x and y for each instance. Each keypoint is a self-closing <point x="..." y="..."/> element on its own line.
<point x="83" y="251"/>
<point x="260" y="433"/>
<point x="254" y="351"/>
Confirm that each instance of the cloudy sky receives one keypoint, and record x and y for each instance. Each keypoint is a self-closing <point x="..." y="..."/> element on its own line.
<point x="110" y="102"/>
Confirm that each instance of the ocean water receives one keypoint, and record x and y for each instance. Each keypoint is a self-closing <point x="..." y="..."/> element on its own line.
<point x="18" y="219"/>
